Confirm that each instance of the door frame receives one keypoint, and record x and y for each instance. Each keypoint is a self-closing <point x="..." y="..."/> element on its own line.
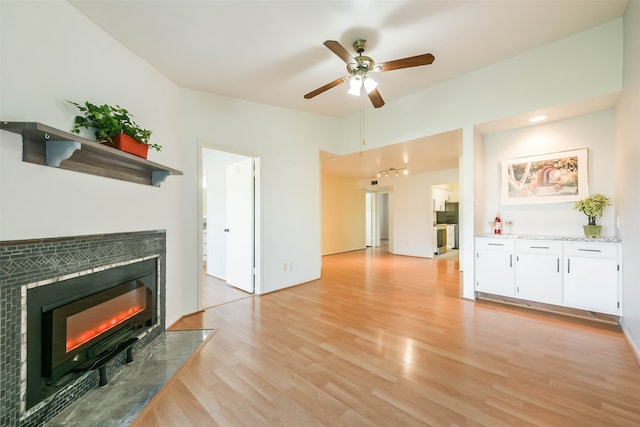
<point x="257" y="218"/>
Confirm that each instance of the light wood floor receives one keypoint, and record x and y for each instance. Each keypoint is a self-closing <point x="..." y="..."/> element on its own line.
<point x="386" y="341"/>
<point x="216" y="291"/>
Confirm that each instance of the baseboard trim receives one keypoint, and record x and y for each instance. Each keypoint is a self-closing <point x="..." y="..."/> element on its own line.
<point x="634" y="348"/>
<point x="553" y="309"/>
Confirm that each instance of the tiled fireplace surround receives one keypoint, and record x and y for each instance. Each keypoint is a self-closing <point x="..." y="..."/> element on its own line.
<point x="42" y="262"/>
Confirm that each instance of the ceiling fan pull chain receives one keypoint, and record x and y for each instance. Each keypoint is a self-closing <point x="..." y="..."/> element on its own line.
<point x="362" y="123"/>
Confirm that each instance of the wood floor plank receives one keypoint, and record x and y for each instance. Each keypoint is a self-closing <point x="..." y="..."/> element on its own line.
<point x="387" y="340"/>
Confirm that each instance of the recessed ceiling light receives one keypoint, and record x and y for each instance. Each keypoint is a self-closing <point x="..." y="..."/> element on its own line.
<point x="537" y="119"/>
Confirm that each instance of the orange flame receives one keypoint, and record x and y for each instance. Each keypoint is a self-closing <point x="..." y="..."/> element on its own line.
<point x="89" y="334"/>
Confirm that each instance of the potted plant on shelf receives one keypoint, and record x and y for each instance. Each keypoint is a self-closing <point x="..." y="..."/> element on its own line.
<point x="114" y="126"/>
<point x="593" y="207"/>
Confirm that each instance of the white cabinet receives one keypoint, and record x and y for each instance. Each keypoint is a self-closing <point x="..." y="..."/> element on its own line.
<point x="451" y="236"/>
<point x="440" y="196"/>
<point x="591" y="274"/>
<point x="494" y="266"/>
<point x="539" y="271"/>
<point x="578" y="274"/>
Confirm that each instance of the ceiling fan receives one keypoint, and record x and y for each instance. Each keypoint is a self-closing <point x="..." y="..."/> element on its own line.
<point x="360" y="67"/>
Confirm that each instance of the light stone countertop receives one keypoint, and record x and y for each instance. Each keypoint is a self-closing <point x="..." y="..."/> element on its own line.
<point x="602" y="239"/>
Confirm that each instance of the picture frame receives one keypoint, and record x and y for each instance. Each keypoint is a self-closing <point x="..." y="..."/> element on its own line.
<point x="548" y="178"/>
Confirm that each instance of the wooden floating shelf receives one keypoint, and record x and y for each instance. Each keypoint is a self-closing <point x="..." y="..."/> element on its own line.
<point x="44" y="145"/>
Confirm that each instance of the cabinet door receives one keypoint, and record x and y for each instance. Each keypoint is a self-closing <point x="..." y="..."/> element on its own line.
<point x="539" y="270"/>
<point x="438" y="199"/>
<point x="591" y="283"/>
<point x="494" y="266"/>
<point x="539" y="277"/>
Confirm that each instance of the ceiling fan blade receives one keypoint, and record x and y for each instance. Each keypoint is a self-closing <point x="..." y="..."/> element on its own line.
<point x="375" y="98"/>
<point x="326" y="87"/>
<point x="412" y="61"/>
<point x="339" y="50"/>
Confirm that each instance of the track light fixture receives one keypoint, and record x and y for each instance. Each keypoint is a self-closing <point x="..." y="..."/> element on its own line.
<point x="392" y="172"/>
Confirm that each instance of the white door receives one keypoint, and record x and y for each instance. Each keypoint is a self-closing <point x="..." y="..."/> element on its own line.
<point x="240" y="223"/>
<point x="369" y="219"/>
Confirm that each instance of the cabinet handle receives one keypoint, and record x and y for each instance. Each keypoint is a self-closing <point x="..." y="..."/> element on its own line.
<point x="568" y="265"/>
<point x="510" y="260"/>
<point x="589" y="250"/>
<point x="495" y="244"/>
<point x="558" y="265"/>
<point x="539" y="247"/>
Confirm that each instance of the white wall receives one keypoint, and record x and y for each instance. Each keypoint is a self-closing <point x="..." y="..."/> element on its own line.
<point x="288" y="144"/>
<point x="627" y="161"/>
<point x="50" y="53"/>
<point x="344" y="215"/>
<point x="596" y="132"/>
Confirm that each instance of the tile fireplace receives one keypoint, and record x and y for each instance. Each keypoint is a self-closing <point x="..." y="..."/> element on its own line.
<point x="69" y="306"/>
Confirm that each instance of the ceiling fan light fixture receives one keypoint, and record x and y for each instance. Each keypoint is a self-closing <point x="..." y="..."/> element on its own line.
<point x="369" y="84"/>
<point x="355" y="85"/>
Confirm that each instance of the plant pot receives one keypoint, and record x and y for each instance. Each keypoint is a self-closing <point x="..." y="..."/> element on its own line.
<point x="129" y="145"/>
<point x="592" y="230"/>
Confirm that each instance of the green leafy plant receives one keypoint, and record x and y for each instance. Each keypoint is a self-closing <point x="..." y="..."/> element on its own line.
<point x="592" y="206"/>
<point x="108" y="121"/>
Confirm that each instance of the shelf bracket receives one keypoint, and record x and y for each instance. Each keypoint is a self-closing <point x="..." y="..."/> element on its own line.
<point x="158" y="176"/>
<point x="58" y="151"/>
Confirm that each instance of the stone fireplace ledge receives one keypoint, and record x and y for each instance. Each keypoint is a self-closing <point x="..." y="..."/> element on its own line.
<point x="131" y="387"/>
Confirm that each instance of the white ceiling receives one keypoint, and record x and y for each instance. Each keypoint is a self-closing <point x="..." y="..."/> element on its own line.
<point x="271" y="52"/>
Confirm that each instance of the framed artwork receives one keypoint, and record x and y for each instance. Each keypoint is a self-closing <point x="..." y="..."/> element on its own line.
<point x="549" y="178"/>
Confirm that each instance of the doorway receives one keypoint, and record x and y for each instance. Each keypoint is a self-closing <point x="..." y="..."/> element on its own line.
<point x="229" y="226"/>
<point x="376" y="219"/>
<point x="446" y="221"/>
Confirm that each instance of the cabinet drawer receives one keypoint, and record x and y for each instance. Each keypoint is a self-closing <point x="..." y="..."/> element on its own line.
<point x="496" y="244"/>
<point x="591" y="250"/>
<point x="539" y="247"/>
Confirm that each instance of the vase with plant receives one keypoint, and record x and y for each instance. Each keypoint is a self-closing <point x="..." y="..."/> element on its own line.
<point x="110" y="123"/>
<point x="593" y="207"/>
